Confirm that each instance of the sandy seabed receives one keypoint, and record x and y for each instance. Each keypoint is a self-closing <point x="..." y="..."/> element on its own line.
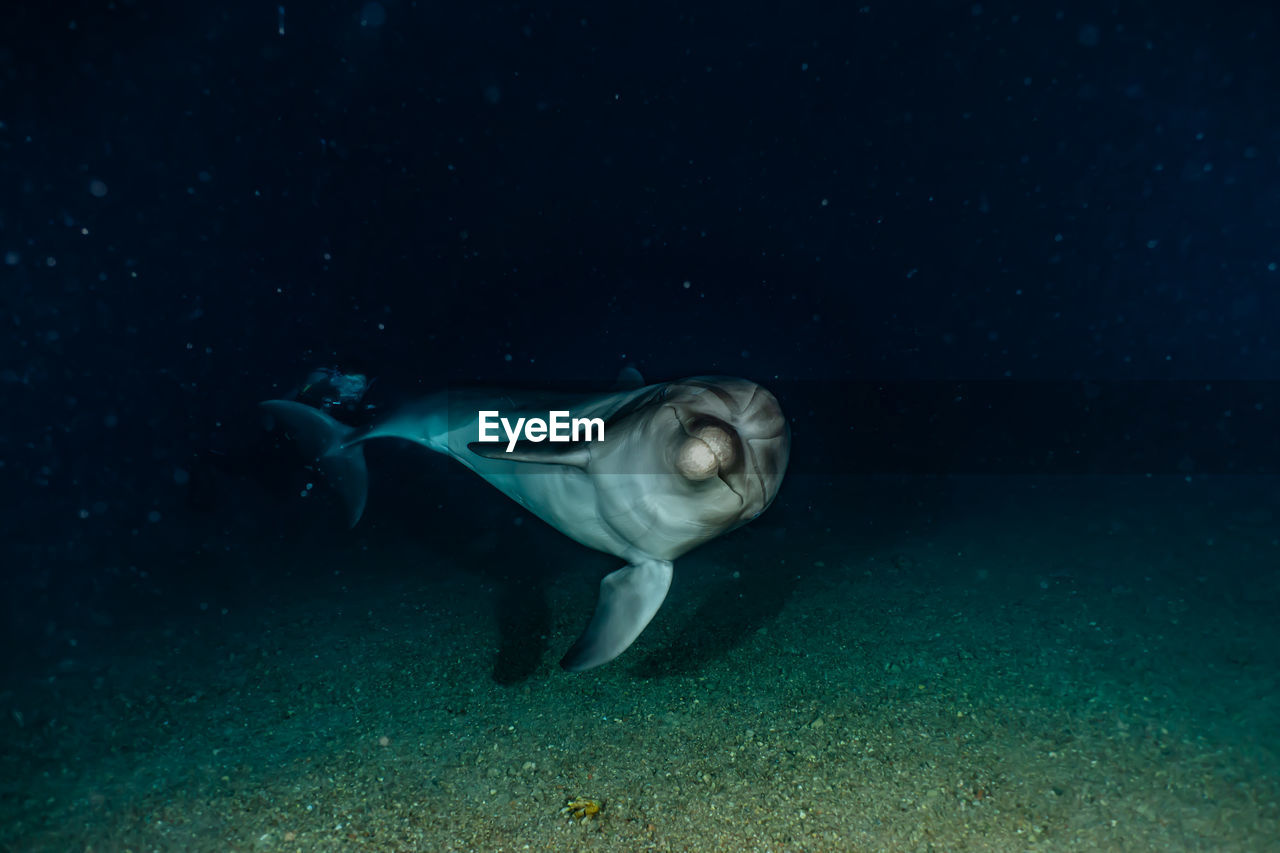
<point x="908" y="665"/>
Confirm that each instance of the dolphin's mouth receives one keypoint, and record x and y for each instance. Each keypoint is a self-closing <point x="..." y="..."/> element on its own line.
<point x="721" y="473"/>
<point x="764" y="489"/>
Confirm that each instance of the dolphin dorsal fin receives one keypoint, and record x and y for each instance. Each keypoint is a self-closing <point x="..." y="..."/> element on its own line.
<point x="629" y="379"/>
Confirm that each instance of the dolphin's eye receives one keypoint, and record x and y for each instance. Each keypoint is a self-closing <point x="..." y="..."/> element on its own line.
<point x="696" y="460"/>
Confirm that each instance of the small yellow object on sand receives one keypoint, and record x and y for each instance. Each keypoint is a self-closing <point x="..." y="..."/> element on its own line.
<point x="581" y="808"/>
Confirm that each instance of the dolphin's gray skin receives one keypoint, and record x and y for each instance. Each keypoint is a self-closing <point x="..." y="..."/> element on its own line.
<point x="681" y="463"/>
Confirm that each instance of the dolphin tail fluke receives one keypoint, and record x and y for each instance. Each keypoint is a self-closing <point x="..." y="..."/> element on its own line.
<point x="628" y="599"/>
<point x="329" y="444"/>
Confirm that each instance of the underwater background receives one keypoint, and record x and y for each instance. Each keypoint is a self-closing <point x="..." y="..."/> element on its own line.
<point x="1011" y="269"/>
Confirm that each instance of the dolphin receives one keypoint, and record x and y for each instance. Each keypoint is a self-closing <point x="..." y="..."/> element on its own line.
<point x="679" y="463"/>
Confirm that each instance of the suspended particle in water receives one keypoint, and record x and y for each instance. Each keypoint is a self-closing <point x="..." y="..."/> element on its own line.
<point x="280" y="20"/>
<point x="373" y="15"/>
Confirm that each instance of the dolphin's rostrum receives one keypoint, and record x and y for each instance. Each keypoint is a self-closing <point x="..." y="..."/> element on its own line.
<point x="680" y="463"/>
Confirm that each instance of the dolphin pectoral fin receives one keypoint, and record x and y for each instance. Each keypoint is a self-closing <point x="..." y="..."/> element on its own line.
<point x="325" y="441"/>
<point x="574" y="454"/>
<point x="628" y="599"/>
